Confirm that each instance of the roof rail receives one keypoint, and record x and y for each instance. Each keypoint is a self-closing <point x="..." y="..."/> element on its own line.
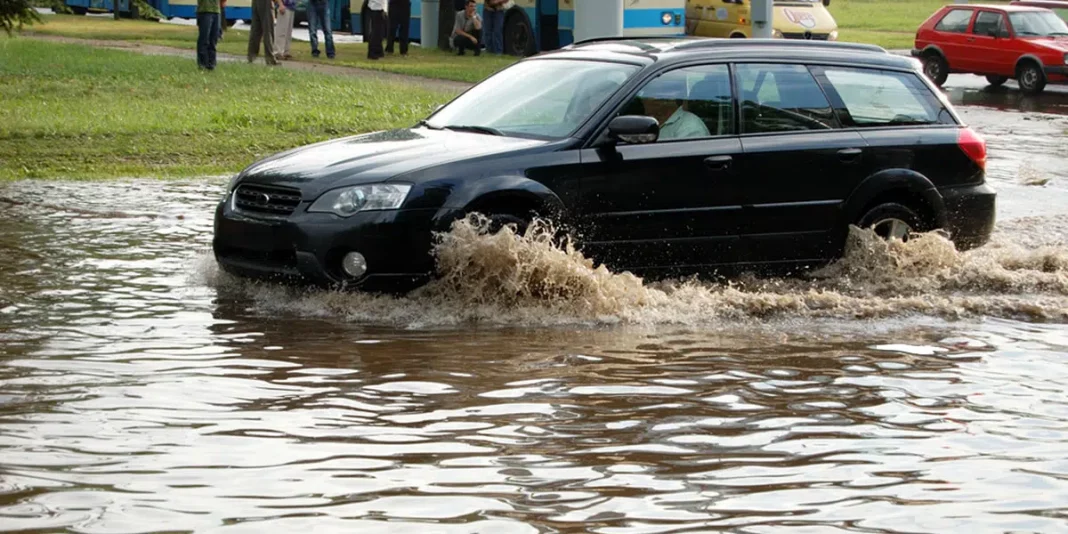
<point x="631" y="38"/>
<point x="780" y="43"/>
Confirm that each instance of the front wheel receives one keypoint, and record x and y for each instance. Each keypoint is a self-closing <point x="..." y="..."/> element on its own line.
<point x="1031" y="78"/>
<point x="78" y="10"/>
<point x="996" y="81"/>
<point x="892" y="221"/>
<point x="935" y="68"/>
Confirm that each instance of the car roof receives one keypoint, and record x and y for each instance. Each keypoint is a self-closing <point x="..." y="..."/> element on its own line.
<point x="648" y="50"/>
<point x="1008" y="8"/>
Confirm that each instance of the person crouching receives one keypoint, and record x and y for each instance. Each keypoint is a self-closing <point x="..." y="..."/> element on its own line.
<point x="467" y="31"/>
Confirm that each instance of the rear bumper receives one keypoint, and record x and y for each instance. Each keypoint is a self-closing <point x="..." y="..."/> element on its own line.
<point x="308" y="247"/>
<point x="970" y="214"/>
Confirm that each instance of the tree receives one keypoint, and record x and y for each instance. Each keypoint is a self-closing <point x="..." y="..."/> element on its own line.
<point x="14" y="14"/>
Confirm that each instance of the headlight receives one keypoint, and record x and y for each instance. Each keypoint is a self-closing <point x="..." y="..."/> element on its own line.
<point x="776" y="34"/>
<point x="347" y="201"/>
<point x="1066" y="59"/>
<point x="833" y="36"/>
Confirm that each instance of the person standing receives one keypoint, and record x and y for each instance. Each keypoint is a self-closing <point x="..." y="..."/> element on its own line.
<point x="376" y="24"/>
<point x="283" y="29"/>
<point x="319" y="17"/>
<point x="262" y="28"/>
<point x="400" y="20"/>
<point x="467" y="31"/>
<point x="208" y="32"/>
<point x="493" y="33"/>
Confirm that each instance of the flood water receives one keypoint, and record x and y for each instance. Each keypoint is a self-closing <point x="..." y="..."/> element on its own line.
<point x="909" y="389"/>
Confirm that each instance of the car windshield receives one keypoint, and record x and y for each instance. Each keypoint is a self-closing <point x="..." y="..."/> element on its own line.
<point x="1038" y="23"/>
<point x="541" y="98"/>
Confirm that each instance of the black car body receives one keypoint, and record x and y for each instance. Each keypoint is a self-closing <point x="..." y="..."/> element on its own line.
<point x="781" y="174"/>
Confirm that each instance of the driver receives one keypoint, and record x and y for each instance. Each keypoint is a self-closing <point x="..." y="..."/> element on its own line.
<point x="663" y="99"/>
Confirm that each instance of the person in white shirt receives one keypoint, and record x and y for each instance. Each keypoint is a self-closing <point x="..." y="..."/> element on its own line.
<point x="376" y="25"/>
<point x="663" y="100"/>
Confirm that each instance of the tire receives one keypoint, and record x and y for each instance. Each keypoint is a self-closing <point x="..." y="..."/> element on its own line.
<point x="738" y="36"/>
<point x="996" y="81"/>
<point x="78" y="10"/>
<point x="935" y="68"/>
<point x="230" y="22"/>
<point x="519" y="36"/>
<point x="499" y="220"/>
<point x="893" y="220"/>
<point x="1031" y="78"/>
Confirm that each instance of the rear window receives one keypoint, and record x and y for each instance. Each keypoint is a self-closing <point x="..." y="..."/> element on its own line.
<point x="955" y="21"/>
<point x="885" y="98"/>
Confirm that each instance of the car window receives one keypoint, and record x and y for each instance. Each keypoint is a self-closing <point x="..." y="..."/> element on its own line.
<point x="688" y="103"/>
<point x="545" y="98"/>
<point x="1038" y="24"/>
<point x="990" y="23"/>
<point x="781" y="98"/>
<point x="884" y="98"/>
<point x="956" y="21"/>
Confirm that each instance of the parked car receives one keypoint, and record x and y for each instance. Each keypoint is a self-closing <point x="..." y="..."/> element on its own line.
<point x="1000" y="42"/>
<point x="1060" y="7"/>
<point x="663" y="157"/>
<point x="791" y="19"/>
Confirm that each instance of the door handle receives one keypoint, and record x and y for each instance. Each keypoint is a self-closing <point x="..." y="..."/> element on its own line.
<point x="849" y="155"/>
<point x="718" y="163"/>
<point x="971" y="39"/>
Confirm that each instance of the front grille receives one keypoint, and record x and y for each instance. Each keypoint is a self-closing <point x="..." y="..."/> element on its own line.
<point x="806" y="36"/>
<point x="266" y="200"/>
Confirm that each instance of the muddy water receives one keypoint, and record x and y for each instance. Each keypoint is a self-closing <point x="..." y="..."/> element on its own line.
<point x="908" y="389"/>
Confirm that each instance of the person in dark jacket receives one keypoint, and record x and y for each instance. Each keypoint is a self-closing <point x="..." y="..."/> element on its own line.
<point x="400" y="20"/>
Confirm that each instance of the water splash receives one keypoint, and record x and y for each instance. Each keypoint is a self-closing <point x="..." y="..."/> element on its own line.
<point x="532" y="278"/>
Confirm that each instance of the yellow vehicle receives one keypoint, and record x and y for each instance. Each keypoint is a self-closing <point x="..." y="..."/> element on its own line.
<point x="792" y="19"/>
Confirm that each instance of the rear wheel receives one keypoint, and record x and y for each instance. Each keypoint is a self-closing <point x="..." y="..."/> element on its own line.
<point x="518" y="36"/>
<point x="996" y="81"/>
<point x="893" y="221"/>
<point x="78" y="10"/>
<point x="1031" y="78"/>
<point x="935" y="68"/>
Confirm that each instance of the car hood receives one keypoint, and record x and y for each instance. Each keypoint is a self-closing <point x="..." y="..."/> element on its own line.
<point x="1060" y="44"/>
<point x="375" y="157"/>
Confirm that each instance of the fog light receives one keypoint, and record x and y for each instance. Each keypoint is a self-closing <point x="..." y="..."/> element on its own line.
<point x="354" y="264"/>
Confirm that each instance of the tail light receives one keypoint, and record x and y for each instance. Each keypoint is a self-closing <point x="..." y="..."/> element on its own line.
<point x="973" y="146"/>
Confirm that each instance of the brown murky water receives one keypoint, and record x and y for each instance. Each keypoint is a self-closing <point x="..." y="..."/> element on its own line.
<point x="908" y="389"/>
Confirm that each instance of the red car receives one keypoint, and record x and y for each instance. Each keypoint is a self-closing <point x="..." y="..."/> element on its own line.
<point x="996" y="41"/>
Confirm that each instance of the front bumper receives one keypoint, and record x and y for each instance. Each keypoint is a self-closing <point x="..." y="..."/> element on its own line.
<point x="970" y="214"/>
<point x="308" y="247"/>
<point x="1056" y="74"/>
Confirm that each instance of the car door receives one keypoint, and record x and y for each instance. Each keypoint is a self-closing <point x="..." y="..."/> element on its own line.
<point x="952" y="38"/>
<point x="798" y="163"/>
<point x="991" y="46"/>
<point x="674" y="203"/>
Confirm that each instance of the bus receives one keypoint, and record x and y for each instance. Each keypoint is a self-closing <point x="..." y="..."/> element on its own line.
<point x="185" y="9"/>
<point x="532" y="26"/>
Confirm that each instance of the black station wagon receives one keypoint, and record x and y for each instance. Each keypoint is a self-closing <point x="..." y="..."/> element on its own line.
<point x="662" y="157"/>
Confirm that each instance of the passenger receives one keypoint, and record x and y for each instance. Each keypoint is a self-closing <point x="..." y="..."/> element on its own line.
<point x="400" y="20"/>
<point x="663" y="100"/>
<point x="262" y="29"/>
<point x="467" y="31"/>
<point x="283" y="29"/>
<point x="376" y="27"/>
<point x="493" y="11"/>
<point x="319" y="18"/>
<point x="208" y="32"/>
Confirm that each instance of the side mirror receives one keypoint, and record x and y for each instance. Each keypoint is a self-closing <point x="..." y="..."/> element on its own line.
<point x="634" y="129"/>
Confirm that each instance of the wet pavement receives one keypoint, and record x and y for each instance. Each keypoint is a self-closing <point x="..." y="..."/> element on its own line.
<point x="142" y="391"/>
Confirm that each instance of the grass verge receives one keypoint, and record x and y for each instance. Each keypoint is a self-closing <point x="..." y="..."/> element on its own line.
<point x="431" y="63"/>
<point x="80" y="112"/>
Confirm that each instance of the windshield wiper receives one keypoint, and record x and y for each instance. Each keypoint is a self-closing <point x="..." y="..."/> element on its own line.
<point x="426" y="124"/>
<point x="477" y="129"/>
<point x="1059" y="33"/>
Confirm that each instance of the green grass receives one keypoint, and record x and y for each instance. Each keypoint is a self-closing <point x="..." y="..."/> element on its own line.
<point x="887" y="23"/>
<point x="431" y="63"/>
<point x="80" y="112"/>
